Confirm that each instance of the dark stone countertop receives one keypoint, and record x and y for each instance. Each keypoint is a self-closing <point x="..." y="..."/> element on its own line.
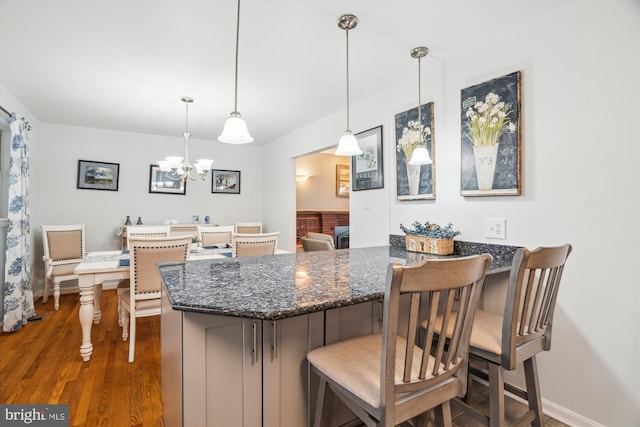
<point x="280" y="286"/>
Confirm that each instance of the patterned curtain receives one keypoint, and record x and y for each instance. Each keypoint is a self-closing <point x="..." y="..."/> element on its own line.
<point x="18" y="295"/>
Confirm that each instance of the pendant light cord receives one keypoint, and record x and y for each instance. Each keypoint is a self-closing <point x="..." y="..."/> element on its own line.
<point x="420" y="101"/>
<point x="347" y="33"/>
<point x="237" y="44"/>
<point x="186" y="120"/>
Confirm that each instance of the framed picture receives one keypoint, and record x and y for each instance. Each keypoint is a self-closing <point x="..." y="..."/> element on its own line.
<point x="367" y="168"/>
<point x="342" y="180"/>
<point x="165" y="182"/>
<point x="223" y="181"/>
<point x="415" y="182"/>
<point x="98" y="175"/>
<point x="490" y="151"/>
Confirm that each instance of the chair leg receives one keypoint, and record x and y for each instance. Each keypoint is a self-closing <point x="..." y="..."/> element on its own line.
<point x="56" y="294"/>
<point x="443" y="415"/>
<point x="125" y="324"/>
<point x="119" y="308"/>
<point x="533" y="390"/>
<point x="467" y="397"/>
<point x="323" y="405"/>
<point x="496" y="396"/>
<point x="132" y="338"/>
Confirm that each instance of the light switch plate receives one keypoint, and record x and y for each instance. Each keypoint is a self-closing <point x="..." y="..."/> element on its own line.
<point x="495" y="228"/>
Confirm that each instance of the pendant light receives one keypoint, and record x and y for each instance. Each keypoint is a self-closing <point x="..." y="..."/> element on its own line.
<point x="420" y="155"/>
<point x="235" y="129"/>
<point x="180" y="167"/>
<point x="348" y="144"/>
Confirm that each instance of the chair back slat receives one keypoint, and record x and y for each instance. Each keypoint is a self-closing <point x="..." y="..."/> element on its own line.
<point x="411" y="333"/>
<point x="145" y="255"/>
<point x="531" y="297"/>
<point x="446" y="292"/>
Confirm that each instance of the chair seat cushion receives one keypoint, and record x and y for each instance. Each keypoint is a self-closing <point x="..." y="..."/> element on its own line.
<point x="141" y="305"/>
<point x="486" y="334"/>
<point x="354" y="364"/>
<point x="64" y="269"/>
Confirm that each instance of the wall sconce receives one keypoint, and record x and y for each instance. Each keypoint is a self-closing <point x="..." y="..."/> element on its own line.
<point x="302" y="178"/>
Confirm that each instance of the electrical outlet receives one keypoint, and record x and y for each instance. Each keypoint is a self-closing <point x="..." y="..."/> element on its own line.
<point x="495" y="228"/>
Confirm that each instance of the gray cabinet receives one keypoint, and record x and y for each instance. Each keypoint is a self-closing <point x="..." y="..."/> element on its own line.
<point x="231" y="371"/>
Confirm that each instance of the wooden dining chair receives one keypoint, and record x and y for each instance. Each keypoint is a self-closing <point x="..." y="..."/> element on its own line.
<point x="64" y="249"/>
<point x="138" y="231"/>
<point x="254" y="244"/>
<point x="143" y="297"/>
<point x="215" y="236"/>
<point x="248" y="227"/>
<point x="388" y="378"/>
<point x="502" y="342"/>
<point x="147" y="231"/>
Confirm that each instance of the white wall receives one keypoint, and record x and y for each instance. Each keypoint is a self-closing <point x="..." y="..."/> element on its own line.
<point x="319" y="190"/>
<point x="580" y="184"/>
<point x="60" y="202"/>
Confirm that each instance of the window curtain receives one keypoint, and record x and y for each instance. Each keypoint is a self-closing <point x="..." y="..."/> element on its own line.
<point x="18" y="295"/>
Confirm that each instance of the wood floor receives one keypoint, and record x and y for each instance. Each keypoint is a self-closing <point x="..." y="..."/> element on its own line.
<point x="41" y="364"/>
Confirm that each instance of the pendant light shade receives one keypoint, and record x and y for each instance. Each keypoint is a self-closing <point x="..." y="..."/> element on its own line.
<point x="420" y="154"/>
<point x="348" y="144"/>
<point x="235" y="129"/>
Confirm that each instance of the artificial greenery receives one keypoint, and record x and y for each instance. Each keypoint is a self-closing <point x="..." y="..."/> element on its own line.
<point x="431" y="230"/>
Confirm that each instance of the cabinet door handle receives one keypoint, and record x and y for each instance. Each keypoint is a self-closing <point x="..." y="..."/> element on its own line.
<point x="254" y="343"/>
<point x="274" y="351"/>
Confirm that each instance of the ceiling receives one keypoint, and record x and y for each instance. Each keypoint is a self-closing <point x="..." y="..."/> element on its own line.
<point x="125" y="64"/>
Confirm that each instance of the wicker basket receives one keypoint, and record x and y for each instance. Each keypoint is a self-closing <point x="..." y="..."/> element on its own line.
<point x="429" y="245"/>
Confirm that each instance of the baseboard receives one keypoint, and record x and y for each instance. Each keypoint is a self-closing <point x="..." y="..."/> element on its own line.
<point x="555" y="411"/>
<point x="567" y="416"/>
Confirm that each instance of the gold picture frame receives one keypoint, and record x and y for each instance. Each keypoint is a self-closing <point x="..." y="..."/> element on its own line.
<point x="343" y="180"/>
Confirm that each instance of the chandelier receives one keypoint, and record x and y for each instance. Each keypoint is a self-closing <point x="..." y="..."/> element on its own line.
<point x="179" y="168"/>
<point x="348" y="144"/>
<point x="420" y="155"/>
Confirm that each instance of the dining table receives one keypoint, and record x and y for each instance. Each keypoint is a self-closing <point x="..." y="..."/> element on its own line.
<point x="100" y="267"/>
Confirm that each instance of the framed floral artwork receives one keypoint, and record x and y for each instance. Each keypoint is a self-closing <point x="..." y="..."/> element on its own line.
<point x="415" y="182"/>
<point x="342" y="180"/>
<point x="367" y="169"/>
<point x="98" y="175"/>
<point x="490" y="116"/>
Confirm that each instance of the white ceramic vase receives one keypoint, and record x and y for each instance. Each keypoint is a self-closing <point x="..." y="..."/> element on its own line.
<point x="485" y="159"/>
<point x="413" y="175"/>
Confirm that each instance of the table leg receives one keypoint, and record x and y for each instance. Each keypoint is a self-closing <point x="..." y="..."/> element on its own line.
<point x="86" y="285"/>
<point x="97" y="295"/>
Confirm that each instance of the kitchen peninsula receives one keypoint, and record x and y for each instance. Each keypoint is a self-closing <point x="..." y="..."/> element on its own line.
<point x="235" y="332"/>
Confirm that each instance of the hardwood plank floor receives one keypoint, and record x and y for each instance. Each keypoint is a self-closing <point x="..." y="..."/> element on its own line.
<point x="41" y="364"/>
